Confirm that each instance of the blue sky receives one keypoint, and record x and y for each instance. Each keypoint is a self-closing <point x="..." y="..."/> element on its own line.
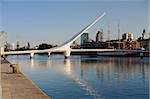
<point x="55" y="21"/>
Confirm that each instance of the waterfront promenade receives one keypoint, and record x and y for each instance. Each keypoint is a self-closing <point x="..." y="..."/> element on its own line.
<point x="17" y="86"/>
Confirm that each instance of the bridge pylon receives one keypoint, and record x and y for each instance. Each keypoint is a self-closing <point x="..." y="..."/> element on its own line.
<point x="67" y="53"/>
<point x="66" y="46"/>
<point x="49" y="54"/>
<point x="31" y="55"/>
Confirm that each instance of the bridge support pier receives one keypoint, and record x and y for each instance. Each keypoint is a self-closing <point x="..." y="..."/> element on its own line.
<point x="67" y="54"/>
<point x="31" y="55"/>
<point x="49" y="54"/>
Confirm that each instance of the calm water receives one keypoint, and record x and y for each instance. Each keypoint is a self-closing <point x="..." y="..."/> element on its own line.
<point x="84" y="77"/>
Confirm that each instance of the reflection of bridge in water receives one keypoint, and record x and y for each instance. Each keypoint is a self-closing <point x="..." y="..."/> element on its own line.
<point x="81" y="82"/>
<point x="65" y="48"/>
<point x="66" y="68"/>
<point x="81" y="70"/>
<point x="104" y="69"/>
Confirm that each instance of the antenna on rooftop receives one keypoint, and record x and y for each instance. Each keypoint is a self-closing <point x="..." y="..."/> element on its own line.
<point x="119" y="30"/>
<point x="109" y="29"/>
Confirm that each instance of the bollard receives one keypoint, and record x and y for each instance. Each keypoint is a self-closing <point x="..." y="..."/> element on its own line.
<point x="15" y="68"/>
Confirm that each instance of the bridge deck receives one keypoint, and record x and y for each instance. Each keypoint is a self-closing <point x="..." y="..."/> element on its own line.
<point x="72" y="50"/>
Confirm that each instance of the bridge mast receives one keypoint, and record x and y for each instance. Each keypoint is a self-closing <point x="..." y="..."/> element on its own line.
<point x="66" y="46"/>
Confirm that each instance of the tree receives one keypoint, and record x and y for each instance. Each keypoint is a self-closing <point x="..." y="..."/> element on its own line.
<point x="17" y="45"/>
<point x="28" y="45"/>
<point x="44" y="46"/>
<point x="7" y="47"/>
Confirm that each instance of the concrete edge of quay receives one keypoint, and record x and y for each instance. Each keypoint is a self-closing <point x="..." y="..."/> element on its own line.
<point x="17" y="85"/>
<point x="0" y="81"/>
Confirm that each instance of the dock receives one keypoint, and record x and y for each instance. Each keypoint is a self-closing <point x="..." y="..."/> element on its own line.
<point x="17" y="86"/>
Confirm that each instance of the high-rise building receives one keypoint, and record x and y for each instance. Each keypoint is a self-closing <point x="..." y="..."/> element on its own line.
<point x="84" y="38"/>
<point x="99" y="36"/>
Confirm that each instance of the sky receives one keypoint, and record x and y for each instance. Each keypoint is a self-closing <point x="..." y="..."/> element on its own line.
<point x="55" y="21"/>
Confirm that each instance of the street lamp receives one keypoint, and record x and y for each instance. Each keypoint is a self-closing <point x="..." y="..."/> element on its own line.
<point x="1" y="33"/>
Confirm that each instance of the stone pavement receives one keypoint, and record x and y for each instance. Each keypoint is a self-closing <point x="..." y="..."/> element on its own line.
<point x="17" y="86"/>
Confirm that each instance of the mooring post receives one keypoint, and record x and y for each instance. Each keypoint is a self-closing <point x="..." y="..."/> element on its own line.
<point x="15" y="68"/>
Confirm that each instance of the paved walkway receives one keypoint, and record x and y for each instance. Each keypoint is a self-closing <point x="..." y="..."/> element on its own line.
<point x="17" y="86"/>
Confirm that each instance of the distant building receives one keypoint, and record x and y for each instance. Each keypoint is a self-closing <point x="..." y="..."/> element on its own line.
<point x="127" y="36"/>
<point x="126" y="42"/>
<point x="74" y="45"/>
<point x="9" y="46"/>
<point x="84" y="38"/>
<point x="145" y="43"/>
<point x="99" y="36"/>
<point x="127" y="39"/>
<point x="144" y="40"/>
<point x="94" y="45"/>
<point x="135" y="44"/>
<point x="116" y="44"/>
<point x="13" y="46"/>
<point x="44" y="46"/>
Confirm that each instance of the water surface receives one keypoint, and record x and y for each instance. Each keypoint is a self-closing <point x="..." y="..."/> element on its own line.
<point x="87" y="77"/>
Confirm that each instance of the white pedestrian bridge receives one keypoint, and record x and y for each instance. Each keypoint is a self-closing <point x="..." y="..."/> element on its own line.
<point x="65" y="48"/>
